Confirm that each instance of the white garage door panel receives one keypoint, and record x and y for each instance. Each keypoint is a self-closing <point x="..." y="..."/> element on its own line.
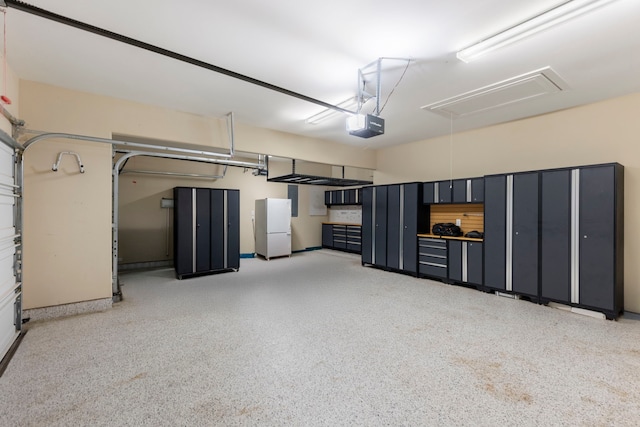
<point x="6" y="217"/>
<point x="8" y="332"/>
<point x="7" y="260"/>
<point x="6" y="164"/>
<point x="8" y="285"/>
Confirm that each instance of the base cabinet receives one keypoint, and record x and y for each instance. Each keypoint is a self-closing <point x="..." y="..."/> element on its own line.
<point x="455" y="261"/>
<point x="354" y="238"/>
<point x="433" y="257"/>
<point x="327" y="236"/>
<point x="343" y="237"/>
<point x="465" y="262"/>
<point x="206" y="231"/>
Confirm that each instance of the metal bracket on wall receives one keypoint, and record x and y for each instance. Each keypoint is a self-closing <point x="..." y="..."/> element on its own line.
<point x="56" y="165"/>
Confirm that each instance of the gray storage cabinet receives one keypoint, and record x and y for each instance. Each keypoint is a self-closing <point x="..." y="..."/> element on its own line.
<point x="374" y="226"/>
<point x="343" y="237"/>
<point x="582" y="237"/>
<point x="406" y="218"/>
<point x="437" y="192"/>
<point x="392" y="216"/>
<point x="206" y="231"/>
<point x="464" y="261"/>
<point x="351" y="196"/>
<point x="327" y="235"/>
<point x="511" y="233"/>
<point x="433" y="257"/>
<point x="367" y="225"/>
<point x="469" y="190"/>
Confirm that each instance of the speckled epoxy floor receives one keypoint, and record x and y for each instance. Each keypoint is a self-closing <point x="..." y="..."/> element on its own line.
<point x="318" y="340"/>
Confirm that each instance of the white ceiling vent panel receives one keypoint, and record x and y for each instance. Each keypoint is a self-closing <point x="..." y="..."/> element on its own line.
<point x="515" y="89"/>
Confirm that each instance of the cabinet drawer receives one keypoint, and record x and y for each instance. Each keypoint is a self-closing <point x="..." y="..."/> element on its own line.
<point x="354" y="247"/>
<point x="342" y="244"/>
<point x="432" y="243"/>
<point x="425" y="250"/>
<point x="439" y="260"/>
<point x="432" y="270"/>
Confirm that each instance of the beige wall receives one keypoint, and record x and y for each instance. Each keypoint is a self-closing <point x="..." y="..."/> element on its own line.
<point x="598" y="133"/>
<point x="67" y="225"/>
<point x="146" y="229"/>
<point x="12" y="91"/>
<point x="67" y="251"/>
<point x="67" y="256"/>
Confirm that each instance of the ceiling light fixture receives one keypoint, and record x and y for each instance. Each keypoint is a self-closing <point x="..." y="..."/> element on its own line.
<point x="557" y="15"/>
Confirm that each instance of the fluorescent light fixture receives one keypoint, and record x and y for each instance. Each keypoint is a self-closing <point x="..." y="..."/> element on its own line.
<point x="565" y="11"/>
<point x="328" y="113"/>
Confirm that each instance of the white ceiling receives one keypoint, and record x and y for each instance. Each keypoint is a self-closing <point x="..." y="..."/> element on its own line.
<point x="316" y="48"/>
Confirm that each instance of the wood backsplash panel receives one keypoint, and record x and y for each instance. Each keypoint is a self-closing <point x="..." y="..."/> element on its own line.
<point x="471" y="215"/>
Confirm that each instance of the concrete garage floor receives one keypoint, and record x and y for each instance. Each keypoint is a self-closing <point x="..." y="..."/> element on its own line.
<point x="318" y="340"/>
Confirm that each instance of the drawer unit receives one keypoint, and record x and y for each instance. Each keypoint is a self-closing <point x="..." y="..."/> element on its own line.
<point x="432" y="257"/>
<point x="343" y="237"/>
<point x="354" y="238"/>
<point x="340" y="236"/>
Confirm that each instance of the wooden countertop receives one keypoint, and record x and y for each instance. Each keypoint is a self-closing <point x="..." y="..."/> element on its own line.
<point x="342" y="223"/>
<point x="435" y="236"/>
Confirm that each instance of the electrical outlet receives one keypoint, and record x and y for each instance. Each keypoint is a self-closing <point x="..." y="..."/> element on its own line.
<point x="458" y="222"/>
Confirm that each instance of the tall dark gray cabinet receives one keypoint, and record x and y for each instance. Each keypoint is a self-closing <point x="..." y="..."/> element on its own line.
<point x="511" y="211"/>
<point x="374" y="225"/>
<point x="206" y="230"/>
<point x="392" y="216"/>
<point x="582" y="237"/>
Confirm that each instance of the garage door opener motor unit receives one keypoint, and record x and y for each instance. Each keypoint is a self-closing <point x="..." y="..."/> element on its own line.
<point x="365" y="125"/>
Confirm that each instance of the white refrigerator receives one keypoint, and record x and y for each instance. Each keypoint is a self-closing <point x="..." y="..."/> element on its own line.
<point x="273" y="227"/>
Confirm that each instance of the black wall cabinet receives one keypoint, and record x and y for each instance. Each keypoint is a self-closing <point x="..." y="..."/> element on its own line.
<point x="469" y="190"/>
<point x="352" y="196"/>
<point x="206" y="230"/>
<point x="437" y="192"/>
